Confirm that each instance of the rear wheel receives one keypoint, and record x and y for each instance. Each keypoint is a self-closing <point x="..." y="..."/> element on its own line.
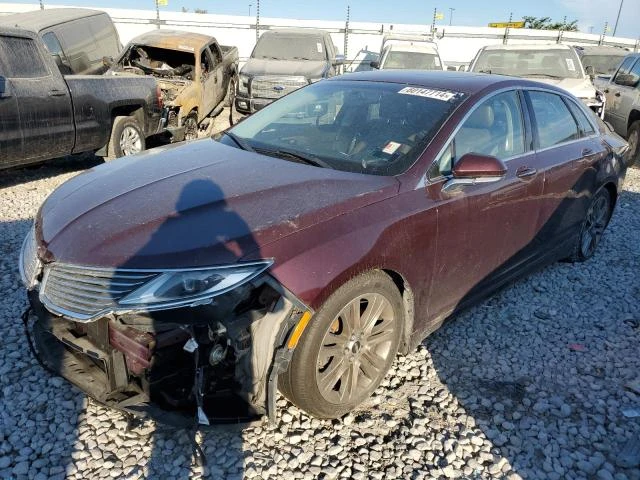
<point x="347" y="348"/>
<point x="633" y="139"/>
<point x="230" y="98"/>
<point x="593" y="226"/>
<point x="127" y="138"/>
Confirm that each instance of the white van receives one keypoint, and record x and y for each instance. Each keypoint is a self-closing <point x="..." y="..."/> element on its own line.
<point x="402" y="52"/>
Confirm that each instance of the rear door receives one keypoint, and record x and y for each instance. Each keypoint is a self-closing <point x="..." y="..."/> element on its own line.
<point x="566" y="148"/>
<point x="210" y="83"/>
<point x="484" y="230"/>
<point x="11" y="149"/>
<point x="44" y="102"/>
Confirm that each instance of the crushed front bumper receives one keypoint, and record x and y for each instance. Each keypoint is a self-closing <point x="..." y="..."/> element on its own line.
<point x="153" y="370"/>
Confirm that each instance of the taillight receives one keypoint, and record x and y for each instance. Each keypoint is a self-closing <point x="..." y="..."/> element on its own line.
<point x="159" y="96"/>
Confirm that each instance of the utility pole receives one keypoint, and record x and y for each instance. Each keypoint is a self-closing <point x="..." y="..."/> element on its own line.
<point x="257" y="20"/>
<point x="451" y="10"/>
<point x="41" y="5"/>
<point x="158" y="14"/>
<point x="617" y="18"/>
<point x="250" y="5"/>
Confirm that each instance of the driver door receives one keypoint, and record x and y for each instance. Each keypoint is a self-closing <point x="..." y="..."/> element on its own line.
<point x="210" y="85"/>
<point x="486" y="230"/>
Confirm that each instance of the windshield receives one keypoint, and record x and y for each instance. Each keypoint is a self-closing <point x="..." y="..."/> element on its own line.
<point x="603" y="64"/>
<point x="355" y="126"/>
<point x="530" y="63"/>
<point x="289" y="47"/>
<point x="412" y="60"/>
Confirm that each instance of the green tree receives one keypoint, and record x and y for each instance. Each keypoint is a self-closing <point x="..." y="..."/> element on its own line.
<point x="545" y="23"/>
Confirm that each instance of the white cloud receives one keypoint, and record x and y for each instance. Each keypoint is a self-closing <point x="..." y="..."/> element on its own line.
<point x="596" y="12"/>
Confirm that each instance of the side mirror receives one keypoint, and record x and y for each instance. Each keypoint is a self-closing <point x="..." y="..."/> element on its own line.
<point x="626" y="80"/>
<point x="589" y="70"/>
<point x="473" y="168"/>
<point x="107" y="61"/>
<point x="339" y="60"/>
<point x="317" y="109"/>
<point x="375" y="64"/>
<point x="5" y="91"/>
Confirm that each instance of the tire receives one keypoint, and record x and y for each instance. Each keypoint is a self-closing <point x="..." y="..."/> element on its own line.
<point x="320" y="376"/>
<point x="191" y="127"/>
<point x="633" y="138"/>
<point x="127" y="138"/>
<point x="595" y="222"/>
<point x="230" y="97"/>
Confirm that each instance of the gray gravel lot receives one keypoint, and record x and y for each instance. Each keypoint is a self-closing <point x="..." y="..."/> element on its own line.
<point x="529" y="384"/>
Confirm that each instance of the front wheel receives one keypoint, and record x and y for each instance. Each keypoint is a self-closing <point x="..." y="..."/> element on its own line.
<point x="593" y="226"/>
<point x="127" y="138"/>
<point x="633" y="139"/>
<point x="347" y="348"/>
<point x="191" y="127"/>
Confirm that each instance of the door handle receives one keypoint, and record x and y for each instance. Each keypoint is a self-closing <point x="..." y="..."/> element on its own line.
<point x="587" y="152"/>
<point x="617" y="94"/>
<point x="57" y="93"/>
<point x="525" y="172"/>
<point x="606" y="90"/>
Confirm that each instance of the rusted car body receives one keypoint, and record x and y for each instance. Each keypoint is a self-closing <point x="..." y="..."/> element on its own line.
<point x="195" y="73"/>
<point x="285" y="239"/>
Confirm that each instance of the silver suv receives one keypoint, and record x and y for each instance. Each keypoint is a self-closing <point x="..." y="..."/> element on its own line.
<point x="623" y="103"/>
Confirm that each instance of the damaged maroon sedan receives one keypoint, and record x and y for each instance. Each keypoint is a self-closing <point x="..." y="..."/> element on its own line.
<point x="306" y="246"/>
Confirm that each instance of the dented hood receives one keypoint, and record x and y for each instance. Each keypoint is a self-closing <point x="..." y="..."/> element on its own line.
<point x="579" y="87"/>
<point x="195" y="205"/>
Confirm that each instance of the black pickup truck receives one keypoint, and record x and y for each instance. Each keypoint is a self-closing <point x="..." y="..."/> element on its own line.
<point x="45" y="115"/>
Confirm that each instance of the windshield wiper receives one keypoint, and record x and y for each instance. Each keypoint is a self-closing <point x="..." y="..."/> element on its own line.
<point x="240" y="142"/>
<point x="548" y="75"/>
<point x="301" y="58"/>
<point x="308" y="159"/>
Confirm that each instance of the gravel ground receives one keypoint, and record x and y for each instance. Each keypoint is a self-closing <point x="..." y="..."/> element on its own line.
<point x="529" y="384"/>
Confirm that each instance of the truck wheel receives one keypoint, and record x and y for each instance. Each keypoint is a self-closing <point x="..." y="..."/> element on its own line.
<point x="633" y="139"/>
<point x="229" y="99"/>
<point x="191" y="127"/>
<point x="127" y="138"/>
<point x="347" y="348"/>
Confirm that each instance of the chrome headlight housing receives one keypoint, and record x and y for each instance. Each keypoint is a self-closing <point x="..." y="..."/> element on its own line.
<point x="191" y="287"/>
<point x="243" y="84"/>
<point x="29" y="264"/>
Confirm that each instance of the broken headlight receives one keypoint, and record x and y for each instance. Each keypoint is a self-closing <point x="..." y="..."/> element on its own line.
<point x="243" y="84"/>
<point x="29" y="264"/>
<point x="190" y="287"/>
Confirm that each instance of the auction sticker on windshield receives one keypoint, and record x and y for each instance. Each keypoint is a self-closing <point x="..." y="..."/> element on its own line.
<point x="570" y="65"/>
<point x="429" y="93"/>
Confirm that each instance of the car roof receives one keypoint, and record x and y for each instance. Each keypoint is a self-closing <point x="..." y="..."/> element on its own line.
<point x="38" y="20"/>
<point x="173" y="40"/>
<point x="465" y="82"/>
<point x="530" y="46"/>
<point x="296" y="31"/>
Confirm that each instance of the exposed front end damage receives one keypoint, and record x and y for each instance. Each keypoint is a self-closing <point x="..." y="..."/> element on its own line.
<point x="216" y="363"/>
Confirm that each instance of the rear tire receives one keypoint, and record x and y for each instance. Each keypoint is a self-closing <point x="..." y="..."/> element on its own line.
<point x="191" y="127"/>
<point x="633" y="139"/>
<point x="347" y="348"/>
<point x="127" y="138"/>
<point x="593" y="226"/>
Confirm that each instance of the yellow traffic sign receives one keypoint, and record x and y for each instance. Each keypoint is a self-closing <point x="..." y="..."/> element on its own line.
<point x="439" y="16"/>
<point x="162" y="3"/>
<point x="507" y="25"/>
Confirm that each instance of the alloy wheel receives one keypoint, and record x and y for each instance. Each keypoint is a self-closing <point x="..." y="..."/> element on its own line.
<point x="595" y="223"/>
<point x="130" y="141"/>
<point x="355" y="349"/>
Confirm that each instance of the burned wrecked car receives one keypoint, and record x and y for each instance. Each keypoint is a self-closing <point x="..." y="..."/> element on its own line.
<point x="197" y="76"/>
<point x="307" y="245"/>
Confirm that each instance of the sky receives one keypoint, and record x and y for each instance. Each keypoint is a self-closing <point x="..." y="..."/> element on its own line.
<point x="589" y="13"/>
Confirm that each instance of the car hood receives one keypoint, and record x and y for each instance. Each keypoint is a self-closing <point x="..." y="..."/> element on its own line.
<point x="579" y="87"/>
<point x="191" y="206"/>
<point x="298" y="68"/>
